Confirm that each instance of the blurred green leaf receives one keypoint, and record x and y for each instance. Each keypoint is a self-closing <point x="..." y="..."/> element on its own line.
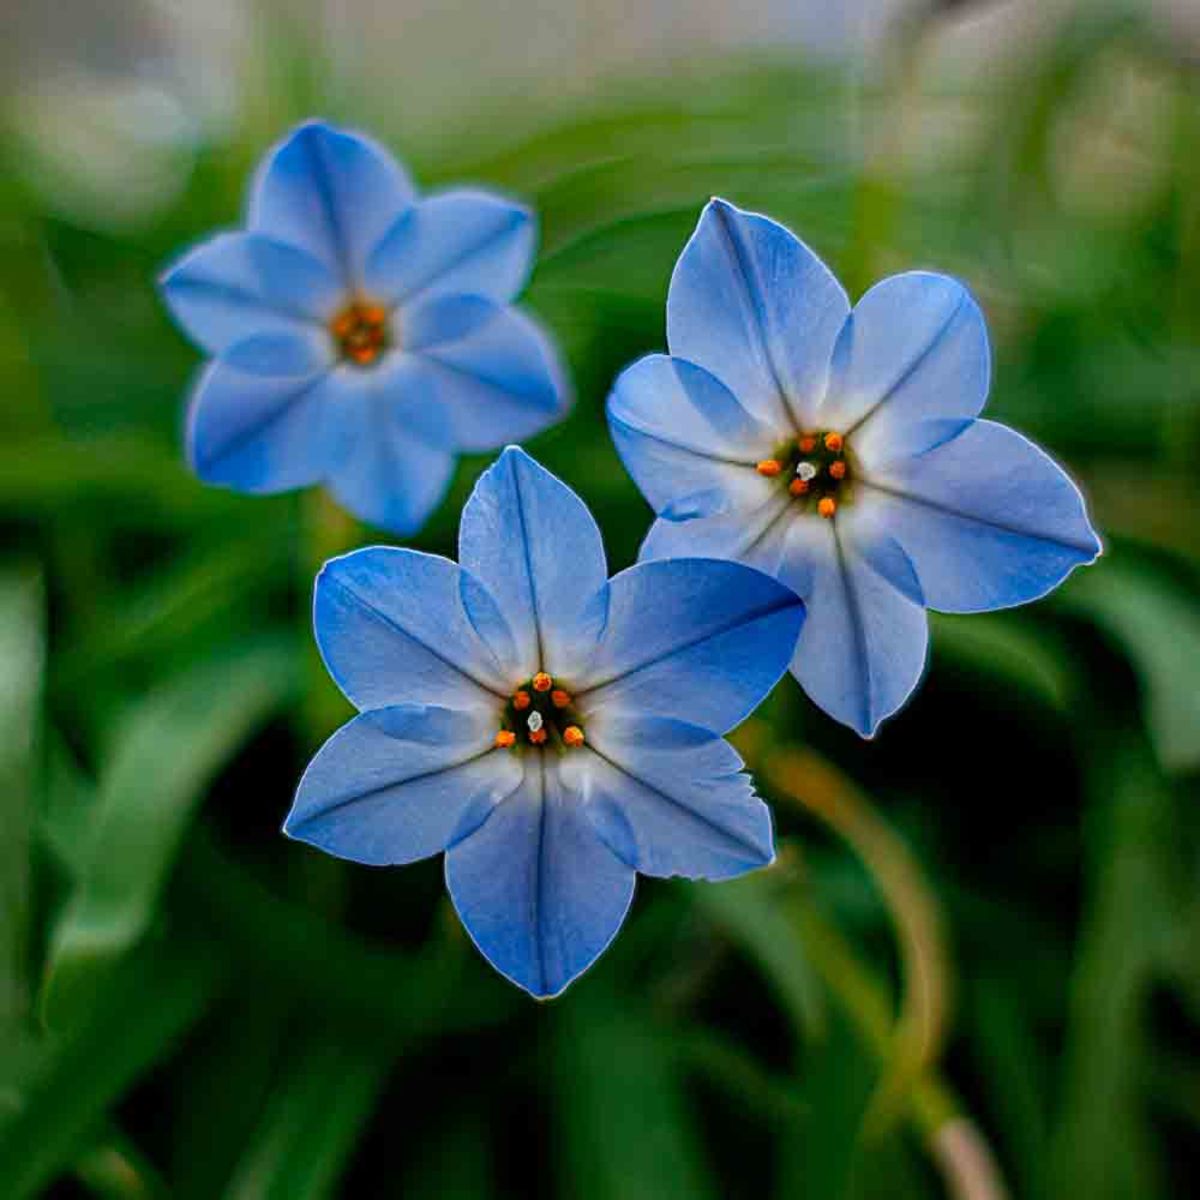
<point x="620" y="1105"/>
<point x="998" y="649"/>
<point x="314" y="1119"/>
<point x="1156" y="620"/>
<point x="171" y="745"/>
<point x="150" y="1001"/>
<point x="1103" y="1144"/>
<point x="22" y="656"/>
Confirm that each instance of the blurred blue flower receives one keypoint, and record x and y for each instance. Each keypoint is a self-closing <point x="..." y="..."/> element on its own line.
<point x="361" y="337"/>
<point x="553" y="731"/>
<point x="840" y="451"/>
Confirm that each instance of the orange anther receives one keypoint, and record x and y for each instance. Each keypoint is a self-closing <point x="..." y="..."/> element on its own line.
<point x="827" y="507"/>
<point x="520" y="700"/>
<point x="798" y="487"/>
<point x="373" y="314"/>
<point x="807" y="444"/>
<point x="833" y="441"/>
<point x="363" y="354"/>
<point x="542" y="682"/>
<point x="505" y="738"/>
<point x="770" y="467"/>
<point x="559" y="698"/>
<point x="573" y="735"/>
<point x="537" y="736"/>
<point x="343" y="323"/>
<point x="837" y="470"/>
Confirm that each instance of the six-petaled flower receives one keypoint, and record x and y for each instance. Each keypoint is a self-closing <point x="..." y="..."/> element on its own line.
<point x="552" y="730"/>
<point x="361" y="336"/>
<point x="842" y="452"/>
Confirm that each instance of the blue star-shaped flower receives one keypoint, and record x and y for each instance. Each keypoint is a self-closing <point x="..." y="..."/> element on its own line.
<point x="361" y="336"/>
<point x="552" y="730"/>
<point x="840" y="451"/>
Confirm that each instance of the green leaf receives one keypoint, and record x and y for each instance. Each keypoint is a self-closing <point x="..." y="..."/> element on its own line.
<point x="151" y="1000"/>
<point x="1127" y="921"/>
<point x="22" y="656"/>
<point x="1156" y="620"/>
<point x="314" y="1120"/>
<point x="992" y="648"/>
<point x="172" y="744"/>
<point x="628" y="1134"/>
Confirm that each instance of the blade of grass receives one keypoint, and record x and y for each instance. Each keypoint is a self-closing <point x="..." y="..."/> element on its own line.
<point x="172" y="744"/>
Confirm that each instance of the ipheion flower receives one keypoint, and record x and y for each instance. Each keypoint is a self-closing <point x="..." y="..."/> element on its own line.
<point x="551" y="730"/>
<point x="842" y="452"/>
<point x="362" y="336"/>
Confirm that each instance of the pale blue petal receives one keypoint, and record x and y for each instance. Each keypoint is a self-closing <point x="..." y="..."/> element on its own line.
<point x="259" y="434"/>
<point x="390" y="464"/>
<point x="754" y="306"/>
<point x="458" y="243"/>
<point x="862" y="650"/>
<point x="400" y="784"/>
<point x="539" y="892"/>
<point x="915" y="347"/>
<point x="237" y="285"/>
<point x="392" y="629"/>
<point x="304" y="352"/>
<point x="670" y="798"/>
<point x="330" y="192"/>
<point x="489" y="368"/>
<point x="988" y="519"/>
<point x="538" y="551"/>
<point x="697" y="639"/>
<point x="685" y="439"/>
<point x="756" y="537"/>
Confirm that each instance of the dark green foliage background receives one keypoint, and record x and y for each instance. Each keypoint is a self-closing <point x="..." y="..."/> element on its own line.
<point x="192" y="1006"/>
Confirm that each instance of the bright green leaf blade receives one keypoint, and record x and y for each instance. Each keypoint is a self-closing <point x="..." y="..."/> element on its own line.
<point x="22" y="656"/>
<point x="173" y="743"/>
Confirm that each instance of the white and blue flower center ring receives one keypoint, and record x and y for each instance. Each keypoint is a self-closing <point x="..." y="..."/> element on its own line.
<point x="815" y="468"/>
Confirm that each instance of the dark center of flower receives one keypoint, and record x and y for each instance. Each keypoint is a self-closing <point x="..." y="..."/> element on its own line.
<point x="815" y="469"/>
<point x="540" y="713"/>
<point x="361" y="332"/>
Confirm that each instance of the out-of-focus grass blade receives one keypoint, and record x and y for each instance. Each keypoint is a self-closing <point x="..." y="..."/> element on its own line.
<point x="151" y="1000"/>
<point x="804" y="778"/>
<point x="1157" y="621"/>
<point x="627" y="1131"/>
<point x="172" y="743"/>
<point x="454" y="1161"/>
<point x="1103" y="1145"/>
<point x="208" y="592"/>
<point x="999" y="649"/>
<point x="115" y="1169"/>
<point x="314" y="1120"/>
<point x="750" y="912"/>
<point x="22" y="656"/>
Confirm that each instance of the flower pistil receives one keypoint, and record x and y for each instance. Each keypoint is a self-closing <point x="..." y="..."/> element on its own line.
<point x="815" y="469"/>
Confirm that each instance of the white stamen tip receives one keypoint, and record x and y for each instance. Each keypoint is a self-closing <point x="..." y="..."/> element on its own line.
<point x="806" y="471"/>
<point x="534" y="721"/>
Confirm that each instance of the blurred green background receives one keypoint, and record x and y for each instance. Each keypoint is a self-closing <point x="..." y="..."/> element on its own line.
<point x="975" y="971"/>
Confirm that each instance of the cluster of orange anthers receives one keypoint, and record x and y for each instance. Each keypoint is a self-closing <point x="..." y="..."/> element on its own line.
<point x="361" y="332"/>
<point x="805" y="473"/>
<point x="528" y="708"/>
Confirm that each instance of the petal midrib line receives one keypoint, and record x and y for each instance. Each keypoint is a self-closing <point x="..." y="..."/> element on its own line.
<point x="858" y="628"/>
<point x="736" y="838"/>
<point x="759" y="615"/>
<point x="910" y="370"/>
<point x="346" y="801"/>
<point x="413" y="294"/>
<point x="657" y="436"/>
<point x="323" y="182"/>
<point x="383" y="618"/>
<point x="1002" y="526"/>
<point x="530" y="576"/>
